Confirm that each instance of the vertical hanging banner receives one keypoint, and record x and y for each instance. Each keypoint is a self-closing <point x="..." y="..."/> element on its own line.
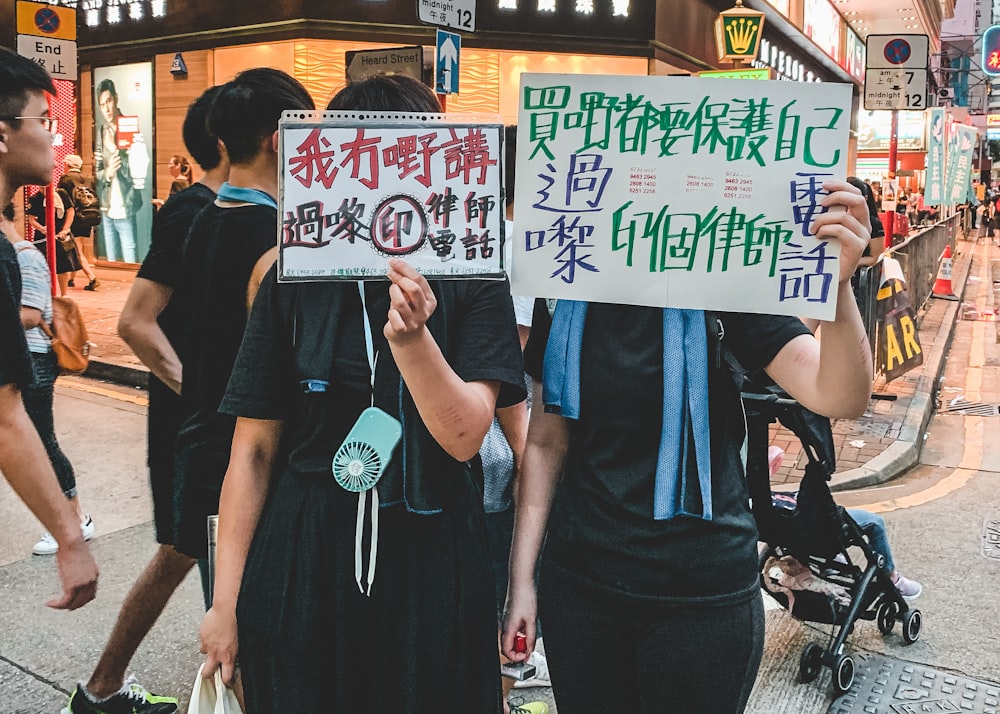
<point x="678" y="192"/>
<point x="934" y="188"/>
<point x="961" y="179"/>
<point x="898" y="350"/>
<point x="357" y="189"/>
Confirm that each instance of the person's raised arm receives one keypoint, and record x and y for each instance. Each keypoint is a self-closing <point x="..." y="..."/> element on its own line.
<point x="28" y="470"/>
<point x="833" y="376"/>
<point x="139" y="328"/>
<point x="456" y="413"/>
<point x="244" y="491"/>
<point x="542" y="466"/>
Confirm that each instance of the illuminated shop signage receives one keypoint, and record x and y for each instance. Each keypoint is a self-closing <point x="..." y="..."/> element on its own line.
<point x="784" y="64"/>
<point x="99" y="13"/>
<point x="822" y="23"/>
<point x="619" y="8"/>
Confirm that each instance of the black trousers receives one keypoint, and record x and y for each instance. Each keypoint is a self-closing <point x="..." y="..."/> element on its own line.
<point x="610" y="653"/>
<point x="38" y="402"/>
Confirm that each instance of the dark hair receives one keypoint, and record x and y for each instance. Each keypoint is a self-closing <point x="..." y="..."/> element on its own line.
<point x="247" y="109"/>
<point x="18" y="76"/>
<point x="202" y="145"/>
<point x="878" y="230"/>
<point x="510" y="153"/>
<point x="106" y="85"/>
<point x="386" y="93"/>
<point x="183" y="164"/>
<point x="8" y="211"/>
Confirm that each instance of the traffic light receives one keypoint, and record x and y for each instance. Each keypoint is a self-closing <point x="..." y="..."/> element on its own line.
<point x="991" y="51"/>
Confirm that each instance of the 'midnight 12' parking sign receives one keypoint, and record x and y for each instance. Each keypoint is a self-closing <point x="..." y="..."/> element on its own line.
<point x="458" y="14"/>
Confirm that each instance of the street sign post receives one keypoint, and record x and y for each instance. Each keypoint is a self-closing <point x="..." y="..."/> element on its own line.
<point x="58" y="57"/>
<point x="46" y="34"/>
<point x="362" y="64"/>
<point x="44" y="20"/>
<point x="896" y="51"/>
<point x="895" y="78"/>
<point x="896" y="72"/>
<point x="456" y="14"/>
<point x="446" y="62"/>
<point x="896" y="89"/>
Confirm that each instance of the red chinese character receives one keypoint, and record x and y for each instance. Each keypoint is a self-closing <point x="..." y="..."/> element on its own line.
<point x="314" y="161"/>
<point x="357" y="150"/>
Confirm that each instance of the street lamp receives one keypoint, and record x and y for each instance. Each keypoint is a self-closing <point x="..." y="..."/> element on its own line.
<point x="737" y="34"/>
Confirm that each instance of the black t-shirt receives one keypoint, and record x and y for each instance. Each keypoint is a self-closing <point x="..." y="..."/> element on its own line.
<point x="69" y="181"/>
<point x="601" y="528"/>
<point x="15" y="361"/>
<point x="36" y="208"/>
<point x="163" y="266"/>
<point x="221" y="250"/>
<point x="315" y="331"/>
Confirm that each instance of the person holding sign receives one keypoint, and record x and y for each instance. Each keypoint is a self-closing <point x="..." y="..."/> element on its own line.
<point x="648" y="586"/>
<point x="352" y="538"/>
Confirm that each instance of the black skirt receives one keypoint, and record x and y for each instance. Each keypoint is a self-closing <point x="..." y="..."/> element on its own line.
<point x="426" y="639"/>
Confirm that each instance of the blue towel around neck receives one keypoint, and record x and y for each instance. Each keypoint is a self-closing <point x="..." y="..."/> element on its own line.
<point x="685" y="400"/>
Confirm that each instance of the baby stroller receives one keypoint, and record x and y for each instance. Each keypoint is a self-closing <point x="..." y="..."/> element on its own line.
<point x="805" y="565"/>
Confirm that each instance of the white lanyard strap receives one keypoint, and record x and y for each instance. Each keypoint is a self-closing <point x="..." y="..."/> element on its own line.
<point x="360" y="527"/>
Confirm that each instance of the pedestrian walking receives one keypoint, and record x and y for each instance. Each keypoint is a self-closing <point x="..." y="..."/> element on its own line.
<point x="150" y="325"/>
<point x="649" y="587"/>
<point x="27" y="157"/>
<point x="36" y="309"/>
<point x="66" y="261"/>
<point x="438" y="357"/>
<point x="82" y="192"/>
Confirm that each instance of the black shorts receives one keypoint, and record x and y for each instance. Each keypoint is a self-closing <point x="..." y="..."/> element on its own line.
<point x="161" y="485"/>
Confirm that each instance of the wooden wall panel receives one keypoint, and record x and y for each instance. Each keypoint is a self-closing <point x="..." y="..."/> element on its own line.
<point x="478" y="83"/>
<point x="174" y="93"/>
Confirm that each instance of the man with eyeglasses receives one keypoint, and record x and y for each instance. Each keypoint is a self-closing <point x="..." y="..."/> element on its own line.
<point x="27" y="157"/>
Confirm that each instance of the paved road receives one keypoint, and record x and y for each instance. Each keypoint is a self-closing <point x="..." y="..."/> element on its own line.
<point x="935" y="515"/>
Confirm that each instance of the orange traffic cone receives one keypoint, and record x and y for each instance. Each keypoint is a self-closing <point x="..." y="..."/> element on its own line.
<point x="942" y="286"/>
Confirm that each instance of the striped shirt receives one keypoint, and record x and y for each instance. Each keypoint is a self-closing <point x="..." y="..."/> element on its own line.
<point x="36" y="292"/>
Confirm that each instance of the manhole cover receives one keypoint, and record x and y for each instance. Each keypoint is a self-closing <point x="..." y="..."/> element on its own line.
<point x="971" y="408"/>
<point x="884" y="685"/>
<point x="991" y="538"/>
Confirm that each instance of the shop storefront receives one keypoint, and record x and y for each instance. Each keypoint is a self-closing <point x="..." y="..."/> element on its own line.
<point x="151" y="58"/>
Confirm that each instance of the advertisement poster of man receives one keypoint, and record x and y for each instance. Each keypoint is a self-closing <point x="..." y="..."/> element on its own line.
<point x="123" y="102"/>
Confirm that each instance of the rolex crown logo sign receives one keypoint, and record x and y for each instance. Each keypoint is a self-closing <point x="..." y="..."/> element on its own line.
<point x="738" y="32"/>
<point x="740" y="35"/>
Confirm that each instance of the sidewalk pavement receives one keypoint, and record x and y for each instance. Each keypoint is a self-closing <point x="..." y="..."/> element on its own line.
<point x="883" y="444"/>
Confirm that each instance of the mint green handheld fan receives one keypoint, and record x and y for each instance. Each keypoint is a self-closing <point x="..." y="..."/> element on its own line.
<point x="361" y="459"/>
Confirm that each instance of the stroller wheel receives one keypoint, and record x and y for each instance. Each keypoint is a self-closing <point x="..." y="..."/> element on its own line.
<point x="912" y="621"/>
<point x="843" y="674"/>
<point x="885" y="617"/>
<point x="810" y="662"/>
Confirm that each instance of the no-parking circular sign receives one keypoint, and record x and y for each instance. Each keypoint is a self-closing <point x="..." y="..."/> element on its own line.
<point x="897" y="51"/>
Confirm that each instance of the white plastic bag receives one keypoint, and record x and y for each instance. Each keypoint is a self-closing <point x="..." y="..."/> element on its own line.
<point x="211" y="696"/>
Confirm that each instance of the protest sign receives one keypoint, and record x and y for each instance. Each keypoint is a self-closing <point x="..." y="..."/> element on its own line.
<point x="678" y="192"/>
<point x="358" y="188"/>
<point x="934" y="190"/>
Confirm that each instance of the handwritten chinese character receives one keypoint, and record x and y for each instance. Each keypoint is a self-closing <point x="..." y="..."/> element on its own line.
<point x="314" y="161"/>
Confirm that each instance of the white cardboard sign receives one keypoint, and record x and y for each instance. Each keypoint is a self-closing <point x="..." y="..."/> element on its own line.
<point x="359" y="188"/>
<point x="678" y="192"/>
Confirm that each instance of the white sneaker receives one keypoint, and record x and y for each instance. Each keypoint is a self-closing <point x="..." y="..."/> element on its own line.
<point x="47" y="545"/>
<point x="541" y="678"/>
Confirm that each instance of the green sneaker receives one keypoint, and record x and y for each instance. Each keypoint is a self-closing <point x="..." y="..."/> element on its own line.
<point x="522" y="707"/>
<point x="132" y="698"/>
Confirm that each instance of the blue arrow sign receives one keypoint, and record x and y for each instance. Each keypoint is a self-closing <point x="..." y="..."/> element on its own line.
<point x="449" y="46"/>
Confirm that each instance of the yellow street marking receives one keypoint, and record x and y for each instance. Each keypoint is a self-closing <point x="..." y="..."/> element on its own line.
<point x="102" y="391"/>
<point x="949" y="484"/>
